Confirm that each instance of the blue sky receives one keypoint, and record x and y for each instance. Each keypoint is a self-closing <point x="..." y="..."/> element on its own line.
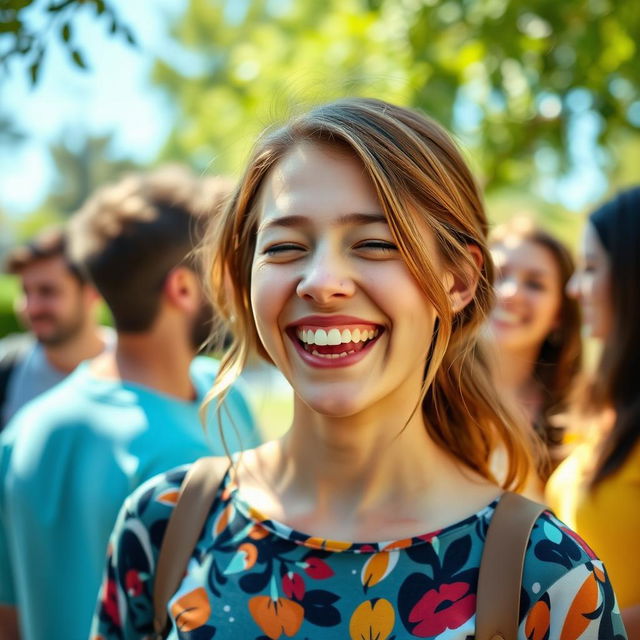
<point x="114" y="96"/>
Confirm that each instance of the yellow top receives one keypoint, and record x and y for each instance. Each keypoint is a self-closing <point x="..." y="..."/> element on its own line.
<point x="607" y="518"/>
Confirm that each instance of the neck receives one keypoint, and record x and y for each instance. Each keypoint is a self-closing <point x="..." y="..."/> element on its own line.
<point x="378" y="474"/>
<point x="86" y="344"/>
<point x="152" y="359"/>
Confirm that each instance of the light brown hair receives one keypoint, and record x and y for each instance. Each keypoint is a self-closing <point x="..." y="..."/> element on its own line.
<point x="129" y="235"/>
<point x="420" y="178"/>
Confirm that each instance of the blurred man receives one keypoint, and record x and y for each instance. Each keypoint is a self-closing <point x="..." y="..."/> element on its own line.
<point x="69" y="458"/>
<point x="59" y="307"/>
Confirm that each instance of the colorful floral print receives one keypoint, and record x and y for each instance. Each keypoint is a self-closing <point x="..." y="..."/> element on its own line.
<point x="251" y="578"/>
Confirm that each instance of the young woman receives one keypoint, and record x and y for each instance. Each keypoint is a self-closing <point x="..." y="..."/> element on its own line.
<point x="597" y="488"/>
<point x="356" y="246"/>
<point x="536" y="328"/>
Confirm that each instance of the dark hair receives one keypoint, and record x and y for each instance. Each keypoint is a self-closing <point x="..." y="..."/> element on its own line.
<point x="51" y="243"/>
<point x="560" y="357"/>
<point x="617" y="384"/>
<point x="129" y="235"/>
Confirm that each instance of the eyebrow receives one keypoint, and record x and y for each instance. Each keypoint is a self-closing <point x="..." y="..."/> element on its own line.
<point x="347" y="219"/>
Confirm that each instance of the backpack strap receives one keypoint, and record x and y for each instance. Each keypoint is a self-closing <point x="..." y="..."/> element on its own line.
<point x="197" y="493"/>
<point x="500" y="576"/>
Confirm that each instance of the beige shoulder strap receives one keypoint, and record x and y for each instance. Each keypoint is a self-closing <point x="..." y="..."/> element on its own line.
<point x="500" y="577"/>
<point x="183" y="530"/>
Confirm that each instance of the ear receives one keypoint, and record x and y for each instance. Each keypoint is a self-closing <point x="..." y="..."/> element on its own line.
<point x="91" y="294"/>
<point x="182" y="289"/>
<point x="461" y="286"/>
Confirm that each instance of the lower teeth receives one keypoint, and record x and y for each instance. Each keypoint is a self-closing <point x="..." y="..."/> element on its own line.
<point x="332" y="356"/>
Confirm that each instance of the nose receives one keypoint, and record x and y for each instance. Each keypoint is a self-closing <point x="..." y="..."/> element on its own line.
<point x="326" y="278"/>
<point x="573" y="286"/>
<point x="506" y="288"/>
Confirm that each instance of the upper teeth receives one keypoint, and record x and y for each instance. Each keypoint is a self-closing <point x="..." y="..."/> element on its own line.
<point x="335" y="336"/>
<point x="505" y="316"/>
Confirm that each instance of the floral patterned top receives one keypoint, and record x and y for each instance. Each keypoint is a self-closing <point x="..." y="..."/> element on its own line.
<point x="251" y="578"/>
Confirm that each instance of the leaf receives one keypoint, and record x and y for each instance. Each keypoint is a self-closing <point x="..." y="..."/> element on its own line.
<point x="317" y="568"/>
<point x="34" y="72"/>
<point x="319" y="609"/>
<point x="191" y="610"/>
<point x="10" y="26"/>
<point x="456" y="555"/>
<point x="76" y="56"/>
<point x="129" y="37"/>
<point x="378" y="567"/>
<point x="372" y="619"/>
<point x="276" y="617"/>
<point x="255" y="582"/>
<point x="65" y="32"/>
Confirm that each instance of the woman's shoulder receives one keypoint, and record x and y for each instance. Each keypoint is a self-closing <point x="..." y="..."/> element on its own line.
<point x="562" y="572"/>
<point x="156" y="498"/>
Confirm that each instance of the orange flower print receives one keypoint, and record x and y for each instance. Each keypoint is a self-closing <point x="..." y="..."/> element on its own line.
<point x="378" y="567"/>
<point x="582" y="609"/>
<point x="275" y="615"/>
<point x="372" y="619"/>
<point x="192" y="610"/>
<point x="244" y="558"/>
<point x="538" y="620"/>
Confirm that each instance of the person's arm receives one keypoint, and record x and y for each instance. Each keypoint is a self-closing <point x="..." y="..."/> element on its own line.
<point x="9" y="623"/>
<point x="631" y="619"/>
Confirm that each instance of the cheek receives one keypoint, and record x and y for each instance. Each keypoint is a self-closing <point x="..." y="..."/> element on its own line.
<point x="268" y="297"/>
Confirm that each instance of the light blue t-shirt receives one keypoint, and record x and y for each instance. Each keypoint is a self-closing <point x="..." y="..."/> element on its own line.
<point x="34" y="374"/>
<point x="67" y="462"/>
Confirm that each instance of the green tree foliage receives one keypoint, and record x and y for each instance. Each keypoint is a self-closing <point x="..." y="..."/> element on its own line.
<point x="80" y="171"/>
<point x="509" y="77"/>
<point x="26" y="27"/>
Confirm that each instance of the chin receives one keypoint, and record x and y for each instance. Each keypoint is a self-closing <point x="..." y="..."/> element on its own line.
<point x="332" y="406"/>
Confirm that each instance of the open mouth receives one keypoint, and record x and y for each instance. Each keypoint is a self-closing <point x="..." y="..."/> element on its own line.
<point x="332" y="343"/>
<point x="505" y="317"/>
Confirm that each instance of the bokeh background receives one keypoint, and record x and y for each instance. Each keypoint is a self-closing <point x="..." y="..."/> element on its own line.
<point x="544" y="96"/>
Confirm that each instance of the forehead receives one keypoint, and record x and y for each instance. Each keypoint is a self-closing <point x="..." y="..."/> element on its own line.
<point x="525" y="255"/>
<point x="50" y="271"/>
<point x="313" y="179"/>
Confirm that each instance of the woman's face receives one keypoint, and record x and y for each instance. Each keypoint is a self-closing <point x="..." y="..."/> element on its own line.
<point x="335" y="306"/>
<point x="528" y="290"/>
<point x="591" y="285"/>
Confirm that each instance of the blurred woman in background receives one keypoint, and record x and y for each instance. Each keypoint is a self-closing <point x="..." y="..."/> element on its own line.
<point x="536" y="328"/>
<point x="597" y="488"/>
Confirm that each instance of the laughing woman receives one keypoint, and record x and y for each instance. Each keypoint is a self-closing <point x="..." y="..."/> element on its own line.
<point x="536" y="328"/>
<point x="355" y="243"/>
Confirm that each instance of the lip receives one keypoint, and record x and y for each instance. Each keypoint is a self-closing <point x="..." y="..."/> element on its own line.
<point x="318" y="362"/>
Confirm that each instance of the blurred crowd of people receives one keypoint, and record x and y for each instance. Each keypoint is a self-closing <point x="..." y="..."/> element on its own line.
<point x="89" y="413"/>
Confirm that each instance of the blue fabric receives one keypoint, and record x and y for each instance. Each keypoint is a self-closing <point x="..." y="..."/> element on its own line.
<point x="68" y="460"/>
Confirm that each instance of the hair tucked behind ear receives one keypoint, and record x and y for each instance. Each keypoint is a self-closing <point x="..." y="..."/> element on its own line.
<point x="421" y="181"/>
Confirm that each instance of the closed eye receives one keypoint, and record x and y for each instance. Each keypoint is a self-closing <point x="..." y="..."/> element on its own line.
<point x="380" y="246"/>
<point x="283" y="247"/>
